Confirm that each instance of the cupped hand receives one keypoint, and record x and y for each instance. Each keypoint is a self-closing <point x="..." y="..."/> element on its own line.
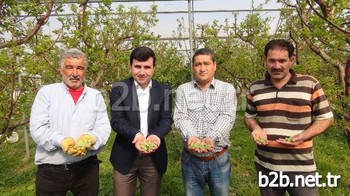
<point x="259" y="136"/>
<point x="293" y="140"/>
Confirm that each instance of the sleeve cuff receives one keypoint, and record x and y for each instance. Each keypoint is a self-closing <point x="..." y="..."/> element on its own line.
<point x="58" y="139"/>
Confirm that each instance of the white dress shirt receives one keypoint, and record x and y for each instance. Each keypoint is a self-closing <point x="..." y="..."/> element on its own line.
<point x="143" y="97"/>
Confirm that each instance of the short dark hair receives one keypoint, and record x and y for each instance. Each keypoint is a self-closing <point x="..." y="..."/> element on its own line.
<point x="142" y="53"/>
<point x="204" y="51"/>
<point x="279" y="44"/>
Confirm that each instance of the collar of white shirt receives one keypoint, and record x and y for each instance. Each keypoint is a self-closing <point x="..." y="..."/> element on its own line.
<point x="139" y="88"/>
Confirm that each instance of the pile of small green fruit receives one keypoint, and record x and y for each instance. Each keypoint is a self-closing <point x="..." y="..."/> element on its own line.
<point x="83" y="144"/>
<point x="200" y="145"/>
<point x="147" y="145"/>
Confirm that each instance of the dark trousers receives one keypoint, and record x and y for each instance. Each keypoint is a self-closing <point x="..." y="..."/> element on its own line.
<point x="81" y="178"/>
<point x="143" y="169"/>
<point x="281" y="190"/>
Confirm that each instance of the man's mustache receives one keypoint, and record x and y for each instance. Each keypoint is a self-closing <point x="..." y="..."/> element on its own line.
<point x="276" y="70"/>
<point x="74" y="78"/>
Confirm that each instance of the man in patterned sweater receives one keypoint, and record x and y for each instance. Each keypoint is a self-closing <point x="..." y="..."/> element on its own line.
<point x="284" y="112"/>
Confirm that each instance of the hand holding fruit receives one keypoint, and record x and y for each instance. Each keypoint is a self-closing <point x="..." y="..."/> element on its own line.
<point x="210" y="142"/>
<point x="292" y="140"/>
<point x="260" y="137"/>
<point x="68" y="146"/>
<point x="148" y="146"/>
<point x="138" y="139"/>
<point x="155" y="139"/>
<point x="152" y="143"/>
<point x="200" y="146"/>
<point x="74" y="152"/>
<point x="85" y="143"/>
<point x="261" y="140"/>
<point x="192" y="140"/>
<point x="67" y="143"/>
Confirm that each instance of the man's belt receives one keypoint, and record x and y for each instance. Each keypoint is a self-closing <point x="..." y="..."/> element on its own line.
<point x="71" y="166"/>
<point x="209" y="158"/>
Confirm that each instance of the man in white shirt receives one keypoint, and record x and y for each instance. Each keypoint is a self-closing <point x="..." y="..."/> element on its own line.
<point x="69" y="125"/>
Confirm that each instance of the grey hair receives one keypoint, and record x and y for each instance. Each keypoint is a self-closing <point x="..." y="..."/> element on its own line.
<point x="73" y="53"/>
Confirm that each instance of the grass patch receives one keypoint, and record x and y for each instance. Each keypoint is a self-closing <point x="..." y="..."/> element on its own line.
<point x="17" y="176"/>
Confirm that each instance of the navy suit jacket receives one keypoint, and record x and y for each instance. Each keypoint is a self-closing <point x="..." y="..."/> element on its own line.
<point x="125" y="120"/>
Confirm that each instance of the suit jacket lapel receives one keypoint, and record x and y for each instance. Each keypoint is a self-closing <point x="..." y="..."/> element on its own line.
<point x="152" y="104"/>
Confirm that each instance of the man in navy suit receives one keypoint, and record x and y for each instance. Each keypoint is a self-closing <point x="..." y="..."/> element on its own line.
<point x="140" y="114"/>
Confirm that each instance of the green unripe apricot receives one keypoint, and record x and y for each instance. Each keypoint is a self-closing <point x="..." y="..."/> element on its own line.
<point x="261" y="140"/>
<point x="288" y="139"/>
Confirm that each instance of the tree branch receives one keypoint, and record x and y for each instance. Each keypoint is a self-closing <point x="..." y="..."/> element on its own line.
<point x="234" y="76"/>
<point x="40" y="22"/>
<point x="322" y="5"/>
<point x="312" y="46"/>
<point x="324" y="17"/>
